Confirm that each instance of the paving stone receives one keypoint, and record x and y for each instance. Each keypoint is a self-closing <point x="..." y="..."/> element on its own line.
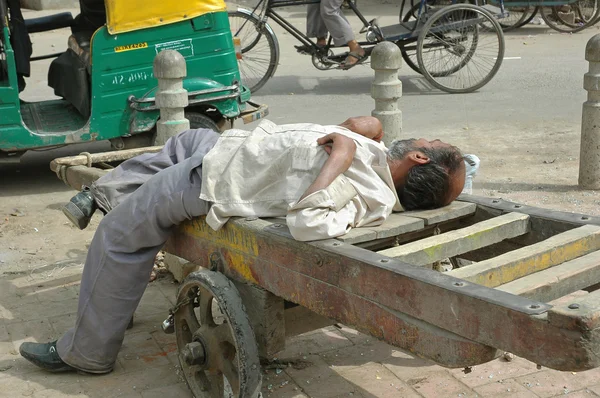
<point x="358" y="355"/>
<point x="319" y="380"/>
<point x="280" y="385"/>
<point x="180" y="390"/>
<point x="585" y="393"/>
<point x="495" y="370"/>
<point x="375" y="379"/>
<point x="505" y="389"/>
<point x="75" y="390"/>
<point x="34" y="311"/>
<point x="595" y="389"/>
<point x="318" y="341"/>
<point x="61" y="293"/>
<point x="39" y="331"/>
<point x="12" y="296"/>
<point x="408" y="367"/>
<point x="168" y="287"/>
<point x="149" y="324"/>
<point x="354" y="335"/>
<point x="110" y="385"/>
<point x="62" y="323"/>
<point x="440" y="384"/>
<point x="549" y="383"/>
<point x="16" y="384"/>
<point x="140" y="351"/>
<point x="15" y="365"/>
<point x="6" y="345"/>
<point x="153" y="302"/>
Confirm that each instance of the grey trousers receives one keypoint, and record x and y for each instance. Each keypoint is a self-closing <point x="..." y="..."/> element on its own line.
<point x="326" y="17"/>
<point x="145" y="197"/>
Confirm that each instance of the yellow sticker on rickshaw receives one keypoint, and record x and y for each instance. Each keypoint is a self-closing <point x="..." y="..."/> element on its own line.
<point x="129" y="47"/>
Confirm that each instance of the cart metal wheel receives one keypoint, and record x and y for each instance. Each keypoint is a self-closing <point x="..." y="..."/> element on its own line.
<point x="215" y="342"/>
<point x="455" y="54"/>
<point x="259" y="48"/>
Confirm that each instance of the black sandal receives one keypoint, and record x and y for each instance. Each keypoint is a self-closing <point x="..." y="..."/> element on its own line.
<point x="360" y="60"/>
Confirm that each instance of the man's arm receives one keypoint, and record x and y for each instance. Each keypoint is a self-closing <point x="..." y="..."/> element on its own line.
<point x="341" y="150"/>
<point x="367" y="126"/>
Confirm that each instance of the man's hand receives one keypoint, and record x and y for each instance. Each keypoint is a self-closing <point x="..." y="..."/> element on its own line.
<point x="340" y="145"/>
<point x="367" y="126"/>
<point x="341" y="150"/>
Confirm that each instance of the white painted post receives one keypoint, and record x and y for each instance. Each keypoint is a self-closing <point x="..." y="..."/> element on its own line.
<point x="386" y="89"/>
<point x="171" y="97"/>
<point x="589" y="154"/>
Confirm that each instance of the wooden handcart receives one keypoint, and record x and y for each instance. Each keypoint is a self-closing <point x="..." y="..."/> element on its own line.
<point x="511" y="273"/>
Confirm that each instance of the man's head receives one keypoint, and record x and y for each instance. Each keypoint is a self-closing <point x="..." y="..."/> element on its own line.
<point x="427" y="174"/>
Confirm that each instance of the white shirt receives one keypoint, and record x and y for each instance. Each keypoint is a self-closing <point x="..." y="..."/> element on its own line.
<point x="264" y="172"/>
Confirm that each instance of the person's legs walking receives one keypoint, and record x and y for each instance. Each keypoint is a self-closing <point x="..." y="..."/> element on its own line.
<point x="315" y="26"/>
<point x="120" y="260"/>
<point x="340" y="29"/>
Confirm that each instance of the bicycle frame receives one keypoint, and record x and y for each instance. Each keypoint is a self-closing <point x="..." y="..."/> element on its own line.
<point x="268" y="11"/>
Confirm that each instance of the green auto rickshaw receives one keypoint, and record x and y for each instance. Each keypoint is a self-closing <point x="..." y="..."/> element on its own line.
<point x="105" y="78"/>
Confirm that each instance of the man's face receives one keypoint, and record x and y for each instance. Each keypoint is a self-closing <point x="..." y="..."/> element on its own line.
<point x="402" y="148"/>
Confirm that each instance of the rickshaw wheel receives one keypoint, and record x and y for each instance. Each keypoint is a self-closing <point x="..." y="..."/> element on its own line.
<point x="197" y="121"/>
<point x="453" y="55"/>
<point x="216" y="346"/>
<point x="201" y="121"/>
<point x="259" y="48"/>
<point x="409" y="52"/>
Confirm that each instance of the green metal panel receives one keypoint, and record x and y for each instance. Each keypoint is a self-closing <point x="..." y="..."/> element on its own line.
<point x="122" y="66"/>
<point x="11" y="128"/>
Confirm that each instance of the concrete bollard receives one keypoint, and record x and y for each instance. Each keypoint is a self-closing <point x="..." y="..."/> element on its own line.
<point x="386" y="90"/>
<point x="171" y="98"/>
<point x="589" y="154"/>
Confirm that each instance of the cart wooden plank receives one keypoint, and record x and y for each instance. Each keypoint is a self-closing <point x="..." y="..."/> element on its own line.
<point x="527" y="260"/>
<point x="396" y="224"/>
<point x="436" y="248"/>
<point x="451" y="212"/>
<point x="558" y="281"/>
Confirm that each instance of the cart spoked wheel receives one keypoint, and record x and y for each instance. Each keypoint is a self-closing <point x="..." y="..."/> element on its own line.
<point x="455" y="54"/>
<point x="216" y="345"/>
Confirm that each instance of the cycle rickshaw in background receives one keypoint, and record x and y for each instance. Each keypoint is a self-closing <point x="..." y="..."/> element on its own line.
<point x="458" y="48"/>
<point x="105" y="77"/>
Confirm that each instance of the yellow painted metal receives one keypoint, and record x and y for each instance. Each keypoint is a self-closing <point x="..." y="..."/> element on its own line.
<point x="241" y="243"/>
<point x="125" y="16"/>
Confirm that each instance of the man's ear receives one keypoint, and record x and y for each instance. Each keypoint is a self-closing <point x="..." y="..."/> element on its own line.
<point x="418" y="157"/>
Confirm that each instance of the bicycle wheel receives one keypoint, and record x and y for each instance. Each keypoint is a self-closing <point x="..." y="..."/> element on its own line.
<point x="571" y="18"/>
<point x="516" y="17"/>
<point x="409" y="50"/>
<point x="259" y="48"/>
<point x="531" y="13"/>
<point x="454" y="55"/>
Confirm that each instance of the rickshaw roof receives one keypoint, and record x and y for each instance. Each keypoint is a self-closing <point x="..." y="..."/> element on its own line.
<point x="128" y="15"/>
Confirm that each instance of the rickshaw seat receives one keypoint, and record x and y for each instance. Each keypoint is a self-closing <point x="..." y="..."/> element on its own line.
<point x="79" y="43"/>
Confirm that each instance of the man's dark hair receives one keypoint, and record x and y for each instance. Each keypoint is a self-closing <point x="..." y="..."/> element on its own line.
<point x="427" y="185"/>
